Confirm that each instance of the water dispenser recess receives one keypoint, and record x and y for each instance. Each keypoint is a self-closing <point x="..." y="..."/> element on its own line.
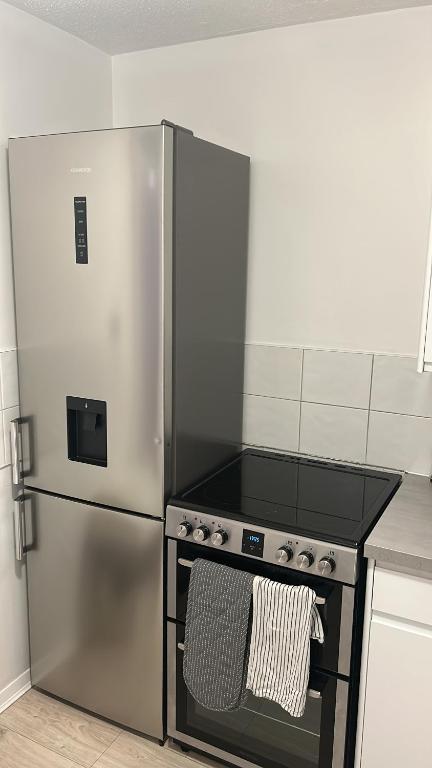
<point x="87" y="430"/>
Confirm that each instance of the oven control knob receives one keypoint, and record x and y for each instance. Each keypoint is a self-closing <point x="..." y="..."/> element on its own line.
<point x="219" y="537"/>
<point x="326" y="566"/>
<point x="201" y="533"/>
<point x="305" y="560"/>
<point x="284" y="554"/>
<point x="184" y="529"/>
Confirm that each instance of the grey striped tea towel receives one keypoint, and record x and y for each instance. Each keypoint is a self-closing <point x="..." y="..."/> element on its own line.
<point x="285" y="619"/>
<point x="215" y="658"/>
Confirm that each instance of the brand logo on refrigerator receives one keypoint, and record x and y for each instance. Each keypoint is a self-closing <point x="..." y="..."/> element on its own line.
<point x="80" y="170"/>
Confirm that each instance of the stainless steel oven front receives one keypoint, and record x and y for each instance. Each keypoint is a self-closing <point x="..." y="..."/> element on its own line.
<point x="262" y="733"/>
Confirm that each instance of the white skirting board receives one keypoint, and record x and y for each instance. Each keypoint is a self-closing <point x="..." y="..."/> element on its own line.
<point x="14" y="690"/>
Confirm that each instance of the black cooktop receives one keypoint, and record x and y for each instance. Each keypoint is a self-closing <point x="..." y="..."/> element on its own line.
<point x="319" y="499"/>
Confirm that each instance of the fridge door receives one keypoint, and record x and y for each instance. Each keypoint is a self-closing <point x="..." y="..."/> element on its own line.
<point x="95" y="583"/>
<point x="91" y="218"/>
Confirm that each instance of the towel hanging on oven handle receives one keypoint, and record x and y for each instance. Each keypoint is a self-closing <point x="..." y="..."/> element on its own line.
<point x="188" y="564"/>
<point x="312" y="692"/>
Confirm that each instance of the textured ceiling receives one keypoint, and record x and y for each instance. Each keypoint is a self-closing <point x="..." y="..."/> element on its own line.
<point x="118" y="26"/>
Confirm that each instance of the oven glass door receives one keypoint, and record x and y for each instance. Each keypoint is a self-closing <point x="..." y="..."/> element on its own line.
<point x="336" y="613"/>
<point x="261" y="732"/>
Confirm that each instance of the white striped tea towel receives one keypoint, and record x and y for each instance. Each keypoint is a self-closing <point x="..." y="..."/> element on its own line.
<point x="285" y="619"/>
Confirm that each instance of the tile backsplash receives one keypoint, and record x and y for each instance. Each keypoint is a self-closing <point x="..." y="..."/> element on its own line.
<point x="356" y="407"/>
<point x="349" y="406"/>
<point x="8" y="400"/>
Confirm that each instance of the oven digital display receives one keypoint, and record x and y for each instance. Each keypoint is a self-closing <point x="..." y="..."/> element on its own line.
<point x="252" y="543"/>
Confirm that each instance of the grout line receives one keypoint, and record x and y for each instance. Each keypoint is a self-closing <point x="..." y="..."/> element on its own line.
<point x="371" y="382"/>
<point x="308" y="402"/>
<point x="369" y="408"/>
<point x="301" y="398"/>
<point x="299" y="427"/>
<point x="301" y="374"/>
<point x="331" y="350"/>
<point x="334" y="405"/>
<point x="272" y="397"/>
<point x="407" y="415"/>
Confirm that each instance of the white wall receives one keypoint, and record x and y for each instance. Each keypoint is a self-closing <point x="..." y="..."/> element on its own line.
<point x="337" y="117"/>
<point x="49" y="82"/>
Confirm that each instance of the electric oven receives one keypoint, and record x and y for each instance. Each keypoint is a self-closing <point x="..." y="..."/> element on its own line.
<point x="261" y="732"/>
<point x="297" y="521"/>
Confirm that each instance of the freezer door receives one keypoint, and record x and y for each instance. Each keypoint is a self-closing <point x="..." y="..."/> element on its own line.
<point x="95" y="606"/>
<point x="91" y="218"/>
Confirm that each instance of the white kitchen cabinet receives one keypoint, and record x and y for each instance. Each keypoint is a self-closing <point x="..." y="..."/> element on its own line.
<point x="398" y="668"/>
<point x="397" y="723"/>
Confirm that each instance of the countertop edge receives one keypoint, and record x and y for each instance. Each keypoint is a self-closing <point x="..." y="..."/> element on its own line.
<point x="402" y="536"/>
<point x="385" y="556"/>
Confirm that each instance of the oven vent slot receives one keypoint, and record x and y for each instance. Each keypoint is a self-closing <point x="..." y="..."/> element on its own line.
<point x="188" y="564"/>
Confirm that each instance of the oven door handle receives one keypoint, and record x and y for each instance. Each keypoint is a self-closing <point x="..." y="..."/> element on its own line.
<point x="312" y="692"/>
<point x="189" y="563"/>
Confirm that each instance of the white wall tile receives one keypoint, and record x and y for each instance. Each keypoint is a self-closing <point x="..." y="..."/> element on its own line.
<point x="398" y="388"/>
<point x="8" y="415"/>
<point x="271" y="422"/>
<point x="333" y="432"/>
<point x="400" y="442"/>
<point x="273" y="371"/>
<point x="2" y="444"/>
<point x="336" y="378"/>
<point x="9" y="378"/>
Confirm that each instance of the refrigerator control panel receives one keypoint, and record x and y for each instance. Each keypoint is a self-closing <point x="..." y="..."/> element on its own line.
<point x="81" y="248"/>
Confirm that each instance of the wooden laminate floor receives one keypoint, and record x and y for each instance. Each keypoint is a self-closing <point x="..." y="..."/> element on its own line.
<point x="40" y="732"/>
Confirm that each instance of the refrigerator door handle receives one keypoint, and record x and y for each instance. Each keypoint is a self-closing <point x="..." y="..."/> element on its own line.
<point x="16" y="452"/>
<point x="19" y="529"/>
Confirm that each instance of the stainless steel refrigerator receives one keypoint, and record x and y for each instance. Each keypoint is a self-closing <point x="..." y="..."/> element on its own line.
<point x="130" y="249"/>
